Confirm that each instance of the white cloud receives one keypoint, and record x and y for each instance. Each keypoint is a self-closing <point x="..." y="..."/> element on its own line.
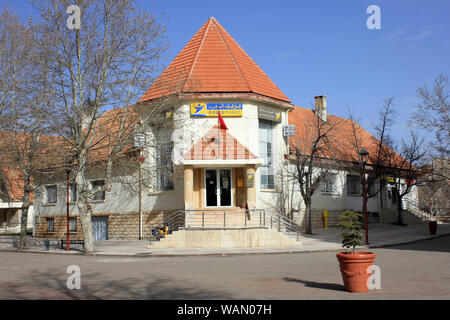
<point x="395" y="35"/>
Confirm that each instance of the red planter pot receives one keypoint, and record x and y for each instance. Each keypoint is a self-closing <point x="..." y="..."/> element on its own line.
<point x="354" y="269"/>
<point x="432" y="226"/>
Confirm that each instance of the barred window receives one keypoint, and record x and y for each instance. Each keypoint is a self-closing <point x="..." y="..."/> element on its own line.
<point x="73" y="192"/>
<point x="164" y="164"/>
<point x="50" y="224"/>
<point x="51" y="194"/>
<point x="266" y="171"/>
<point x="353" y="185"/>
<point x="329" y="183"/>
<point x="97" y="185"/>
<point x="73" y="224"/>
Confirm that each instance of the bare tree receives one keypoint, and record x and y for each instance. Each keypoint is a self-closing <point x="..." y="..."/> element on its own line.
<point x="432" y="114"/>
<point x="107" y="63"/>
<point x="23" y="88"/>
<point x="376" y="145"/>
<point x="313" y="156"/>
<point x="404" y="165"/>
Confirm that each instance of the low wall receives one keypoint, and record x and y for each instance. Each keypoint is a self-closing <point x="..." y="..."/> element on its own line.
<point x="240" y="238"/>
<point x="121" y="226"/>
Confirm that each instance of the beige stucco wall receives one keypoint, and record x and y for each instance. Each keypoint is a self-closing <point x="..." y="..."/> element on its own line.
<point x="243" y="238"/>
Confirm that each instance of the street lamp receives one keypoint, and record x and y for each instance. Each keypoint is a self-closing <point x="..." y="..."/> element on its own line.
<point x="67" y="204"/>
<point x="364" y="156"/>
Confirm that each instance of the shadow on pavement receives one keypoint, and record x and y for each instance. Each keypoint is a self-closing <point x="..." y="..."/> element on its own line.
<point x="319" y="285"/>
<point x="440" y="244"/>
<point x="47" y="285"/>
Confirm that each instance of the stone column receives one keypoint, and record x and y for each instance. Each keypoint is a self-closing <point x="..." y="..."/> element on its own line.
<point x="188" y="187"/>
<point x="251" y="190"/>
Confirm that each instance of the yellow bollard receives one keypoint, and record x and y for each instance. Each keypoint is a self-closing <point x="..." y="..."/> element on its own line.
<point x="325" y="218"/>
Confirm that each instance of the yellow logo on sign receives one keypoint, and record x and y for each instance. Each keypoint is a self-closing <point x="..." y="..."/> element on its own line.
<point x="213" y="109"/>
<point x="198" y="109"/>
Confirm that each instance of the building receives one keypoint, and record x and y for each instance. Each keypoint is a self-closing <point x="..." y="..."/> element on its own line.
<point x="11" y="192"/>
<point x="201" y="172"/>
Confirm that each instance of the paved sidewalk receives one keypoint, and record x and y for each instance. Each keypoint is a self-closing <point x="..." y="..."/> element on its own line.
<point x="380" y="235"/>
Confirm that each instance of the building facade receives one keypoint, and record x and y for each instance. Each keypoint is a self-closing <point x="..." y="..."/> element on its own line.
<point x="230" y="172"/>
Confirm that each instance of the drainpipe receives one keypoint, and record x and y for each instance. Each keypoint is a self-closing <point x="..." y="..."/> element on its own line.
<point x="140" y="199"/>
<point x="67" y="204"/>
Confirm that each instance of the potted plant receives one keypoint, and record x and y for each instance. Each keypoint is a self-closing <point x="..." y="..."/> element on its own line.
<point x="353" y="264"/>
<point x="432" y="225"/>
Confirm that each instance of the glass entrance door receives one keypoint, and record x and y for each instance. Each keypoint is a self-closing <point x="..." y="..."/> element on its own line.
<point x="218" y="185"/>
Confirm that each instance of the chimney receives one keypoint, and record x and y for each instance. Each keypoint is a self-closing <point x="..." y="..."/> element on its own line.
<point x="320" y="104"/>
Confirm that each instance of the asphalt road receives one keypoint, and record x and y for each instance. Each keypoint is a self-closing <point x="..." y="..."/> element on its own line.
<point x="414" y="271"/>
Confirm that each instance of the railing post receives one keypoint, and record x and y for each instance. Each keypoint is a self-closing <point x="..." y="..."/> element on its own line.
<point x="279" y="223"/>
<point x="245" y="218"/>
<point x="203" y="219"/>
<point x="264" y="217"/>
<point x="224" y="219"/>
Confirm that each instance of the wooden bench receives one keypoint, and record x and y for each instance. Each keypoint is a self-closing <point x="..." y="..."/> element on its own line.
<point x="63" y="242"/>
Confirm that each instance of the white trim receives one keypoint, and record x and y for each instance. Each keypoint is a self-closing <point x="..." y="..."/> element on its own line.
<point x="222" y="163"/>
<point x="7" y="205"/>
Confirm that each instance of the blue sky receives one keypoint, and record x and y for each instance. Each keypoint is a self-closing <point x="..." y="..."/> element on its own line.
<point x="311" y="48"/>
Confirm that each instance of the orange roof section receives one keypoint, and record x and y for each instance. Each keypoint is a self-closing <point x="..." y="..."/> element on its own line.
<point x="341" y="139"/>
<point x="218" y="144"/>
<point x="212" y="62"/>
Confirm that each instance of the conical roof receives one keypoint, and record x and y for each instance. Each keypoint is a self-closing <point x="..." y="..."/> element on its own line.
<point x="212" y="62"/>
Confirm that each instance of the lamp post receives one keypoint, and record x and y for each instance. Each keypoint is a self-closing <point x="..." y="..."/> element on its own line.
<point x="364" y="155"/>
<point x="67" y="203"/>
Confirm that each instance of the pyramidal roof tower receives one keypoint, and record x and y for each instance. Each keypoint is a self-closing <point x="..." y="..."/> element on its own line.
<point x="213" y="62"/>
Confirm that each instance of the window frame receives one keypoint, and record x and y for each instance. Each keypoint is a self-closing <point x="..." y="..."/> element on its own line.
<point x="268" y="156"/>
<point x="94" y="196"/>
<point x="71" y="224"/>
<point x="357" y="180"/>
<point x="331" y="177"/>
<point x="52" y="224"/>
<point x="47" y="188"/>
<point x="73" y="189"/>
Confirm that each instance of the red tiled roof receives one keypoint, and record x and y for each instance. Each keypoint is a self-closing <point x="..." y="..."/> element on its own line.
<point x="341" y="140"/>
<point x="218" y="144"/>
<point x="212" y="61"/>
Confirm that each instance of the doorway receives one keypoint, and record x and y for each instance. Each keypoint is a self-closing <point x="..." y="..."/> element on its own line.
<point x="218" y="188"/>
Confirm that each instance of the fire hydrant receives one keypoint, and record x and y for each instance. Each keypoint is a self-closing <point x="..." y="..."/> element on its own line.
<point x="325" y="218"/>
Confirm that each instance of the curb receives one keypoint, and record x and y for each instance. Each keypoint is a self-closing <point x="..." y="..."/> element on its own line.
<point x="217" y="254"/>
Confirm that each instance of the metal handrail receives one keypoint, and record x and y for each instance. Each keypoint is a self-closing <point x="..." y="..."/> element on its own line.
<point x="178" y="220"/>
<point x="284" y="224"/>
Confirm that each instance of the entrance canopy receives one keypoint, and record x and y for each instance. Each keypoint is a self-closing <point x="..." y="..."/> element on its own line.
<point x="219" y="148"/>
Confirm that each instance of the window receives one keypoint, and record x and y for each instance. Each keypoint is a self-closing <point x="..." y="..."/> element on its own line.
<point x="73" y="224"/>
<point x="50" y="224"/>
<point x="96" y="185"/>
<point x="353" y="185"/>
<point x="266" y="154"/>
<point x="73" y="192"/>
<point x="164" y="165"/>
<point x="371" y="186"/>
<point x="51" y="194"/>
<point x="329" y="183"/>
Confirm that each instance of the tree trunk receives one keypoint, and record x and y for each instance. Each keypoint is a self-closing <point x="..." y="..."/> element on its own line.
<point x="24" y="215"/>
<point x="86" y="226"/>
<point x="23" y="227"/>
<point x="308" y="227"/>
<point x="399" y="210"/>
<point x="84" y="211"/>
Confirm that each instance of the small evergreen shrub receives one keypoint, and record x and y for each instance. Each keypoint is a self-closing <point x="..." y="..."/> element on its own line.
<point x="350" y="220"/>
